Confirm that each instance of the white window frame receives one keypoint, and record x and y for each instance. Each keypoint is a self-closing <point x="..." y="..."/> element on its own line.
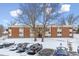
<point x="59" y="29"/>
<point x="21" y="30"/>
<point x="70" y="30"/>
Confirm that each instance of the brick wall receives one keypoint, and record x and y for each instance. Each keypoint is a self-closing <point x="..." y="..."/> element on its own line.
<point x="61" y="31"/>
<point x="16" y="32"/>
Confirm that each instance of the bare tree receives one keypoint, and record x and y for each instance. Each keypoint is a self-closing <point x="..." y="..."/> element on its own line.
<point x="12" y="22"/>
<point x="62" y="21"/>
<point x="72" y="18"/>
<point x="49" y="13"/>
<point x="69" y="20"/>
<point x="30" y="13"/>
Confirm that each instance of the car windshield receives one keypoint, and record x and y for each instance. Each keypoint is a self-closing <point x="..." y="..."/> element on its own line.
<point x="61" y="50"/>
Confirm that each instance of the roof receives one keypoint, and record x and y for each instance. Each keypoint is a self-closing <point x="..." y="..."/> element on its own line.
<point x="62" y="26"/>
<point x="23" y="25"/>
<point x="18" y="25"/>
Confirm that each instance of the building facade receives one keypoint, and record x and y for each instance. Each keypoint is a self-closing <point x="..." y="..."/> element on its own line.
<point x="61" y="31"/>
<point x="1" y="30"/>
<point x="51" y="31"/>
<point x="18" y="32"/>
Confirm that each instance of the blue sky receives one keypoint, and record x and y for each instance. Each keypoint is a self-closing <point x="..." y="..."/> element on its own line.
<point x="6" y="8"/>
<point x="74" y="9"/>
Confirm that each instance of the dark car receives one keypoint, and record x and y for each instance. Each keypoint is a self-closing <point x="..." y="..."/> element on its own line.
<point x="13" y="47"/>
<point x="22" y="47"/>
<point x="7" y="44"/>
<point x="46" y="52"/>
<point x="78" y="49"/>
<point x="4" y="45"/>
<point x="33" y="49"/>
<point x="1" y="46"/>
<point x="61" y="51"/>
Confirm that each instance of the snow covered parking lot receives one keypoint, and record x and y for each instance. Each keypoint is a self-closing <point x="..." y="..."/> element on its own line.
<point x="48" y="43"/>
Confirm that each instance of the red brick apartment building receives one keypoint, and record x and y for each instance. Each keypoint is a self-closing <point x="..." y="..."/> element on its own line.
<point x="61" y="31"/>
<point x="52" y="32"/>
<point x="18" y="31"/>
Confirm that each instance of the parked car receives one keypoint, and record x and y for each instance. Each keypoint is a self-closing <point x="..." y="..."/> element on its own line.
<point x="33" y="49"/>
<point x="78" y="49"/>
<point x="7" y="44"/>
<point x="61" y="51"/>
<point x="13" y="47"/>
<point x="4" y="45"/>
<point x="1" y="46"/>
<point x="22" y="47"/>
<point x="46" y="52"/>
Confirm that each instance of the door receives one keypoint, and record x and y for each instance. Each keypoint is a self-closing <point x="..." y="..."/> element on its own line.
<point x="39" y="32"/>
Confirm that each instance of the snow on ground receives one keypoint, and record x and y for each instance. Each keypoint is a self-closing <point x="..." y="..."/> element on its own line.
<point x="48" y="43"/>
<point x="7" y="52"/>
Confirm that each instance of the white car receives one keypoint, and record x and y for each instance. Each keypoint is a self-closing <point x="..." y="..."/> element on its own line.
<point x="13" y="47"/>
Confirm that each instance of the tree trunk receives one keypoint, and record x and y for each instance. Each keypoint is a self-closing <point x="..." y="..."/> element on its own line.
<point x="42" y="39"/>
<point x="34" y="33"/>
<point x="35" y="36"/>
<point x="35" y="39"/>
<point x="43" y="33"/>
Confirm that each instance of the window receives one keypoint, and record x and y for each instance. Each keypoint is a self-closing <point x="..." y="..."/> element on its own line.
<point x="59" y="29"/>
<point x="21" y="30"/>
<point x="10" y="30"/>
<point x="70" y="30"/>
